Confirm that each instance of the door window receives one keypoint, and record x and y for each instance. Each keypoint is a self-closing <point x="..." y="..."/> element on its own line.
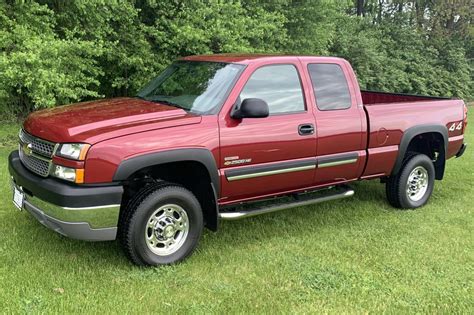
<point x="329" y="86"/>
<point x="279" y="86"/>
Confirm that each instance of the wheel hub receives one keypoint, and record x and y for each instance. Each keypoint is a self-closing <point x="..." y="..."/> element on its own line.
<point x="417" y="183"/>
<point x="167" y="229"/>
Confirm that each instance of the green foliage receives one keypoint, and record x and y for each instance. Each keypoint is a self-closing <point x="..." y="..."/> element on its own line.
<point x="54" y="52"/>
<point x="37" y="68"/>
<point x="310" y="24"/>
<point x="126" y="56"/>
<point x="200" y="27"/>
<point x="396" y="59"/>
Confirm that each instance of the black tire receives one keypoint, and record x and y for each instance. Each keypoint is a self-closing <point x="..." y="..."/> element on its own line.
<point x="138" y="213"/>
<point x="396" y="186"/>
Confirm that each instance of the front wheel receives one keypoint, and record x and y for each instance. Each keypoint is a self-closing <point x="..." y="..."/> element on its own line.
<point x="413" y="185"/>
<point x="162" y="225"/>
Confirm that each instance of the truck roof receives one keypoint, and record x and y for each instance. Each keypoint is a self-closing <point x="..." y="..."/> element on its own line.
<point x="248" y="58"/>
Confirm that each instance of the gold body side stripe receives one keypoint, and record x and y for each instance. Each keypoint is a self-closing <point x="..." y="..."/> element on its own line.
<point x="274" y="172"/>
<point x="335" y="163"/>
<point x="292" y="169"/>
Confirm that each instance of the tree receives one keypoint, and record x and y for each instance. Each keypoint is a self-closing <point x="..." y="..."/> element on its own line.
<point x="360" y="7"/>
<point x="37" y="68"/>
<point x="55" y="52"/>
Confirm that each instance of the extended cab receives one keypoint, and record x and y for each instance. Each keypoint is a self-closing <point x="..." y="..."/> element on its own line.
<point x="226" y="137"/>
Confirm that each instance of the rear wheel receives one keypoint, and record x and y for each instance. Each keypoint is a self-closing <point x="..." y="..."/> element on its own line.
<point x="413" y="185"/>
<point x="161" y="225"/>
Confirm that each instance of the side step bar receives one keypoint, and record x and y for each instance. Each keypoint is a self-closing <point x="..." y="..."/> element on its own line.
<point x="298" y="201"/>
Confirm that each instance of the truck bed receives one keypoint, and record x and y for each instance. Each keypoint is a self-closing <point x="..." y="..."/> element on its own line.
<point x="374" y="97"/>
<point x="388" y="124"/>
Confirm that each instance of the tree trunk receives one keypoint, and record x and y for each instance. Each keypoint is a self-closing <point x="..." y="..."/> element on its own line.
<point x="420" y="14"/>
<point x="360" y="7"/>
<point x="380" y="10"/>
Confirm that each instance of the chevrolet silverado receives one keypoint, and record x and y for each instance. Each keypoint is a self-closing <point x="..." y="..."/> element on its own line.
<point x="224" y="137"/>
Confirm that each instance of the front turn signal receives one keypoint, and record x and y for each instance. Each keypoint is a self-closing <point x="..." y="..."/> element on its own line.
<point x="79" y="176"/>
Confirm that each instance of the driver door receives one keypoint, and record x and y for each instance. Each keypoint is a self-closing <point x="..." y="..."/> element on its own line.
<point x="271" y="155"/>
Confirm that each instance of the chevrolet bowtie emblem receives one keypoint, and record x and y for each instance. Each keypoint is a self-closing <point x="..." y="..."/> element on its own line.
<point x="27" y="148"/>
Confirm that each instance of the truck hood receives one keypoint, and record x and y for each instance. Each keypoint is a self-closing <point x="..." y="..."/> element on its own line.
<point x="95" y="121"/>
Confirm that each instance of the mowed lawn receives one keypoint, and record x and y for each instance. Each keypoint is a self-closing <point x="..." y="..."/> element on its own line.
<point x="355" y="255"/>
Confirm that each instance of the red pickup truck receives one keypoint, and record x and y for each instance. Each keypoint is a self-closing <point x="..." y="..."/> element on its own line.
<point x="226" y="137"/>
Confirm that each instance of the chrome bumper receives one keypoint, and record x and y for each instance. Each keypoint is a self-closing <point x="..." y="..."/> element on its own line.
<point x="77" y="211"/>
<point x="97" y="223"/>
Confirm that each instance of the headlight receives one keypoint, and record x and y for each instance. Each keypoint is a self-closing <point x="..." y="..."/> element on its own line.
<point x="69" y="174"/>
<point x="75" y="151"/>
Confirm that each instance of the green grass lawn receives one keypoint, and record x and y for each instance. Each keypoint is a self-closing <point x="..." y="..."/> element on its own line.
<point x="352" y="255"/>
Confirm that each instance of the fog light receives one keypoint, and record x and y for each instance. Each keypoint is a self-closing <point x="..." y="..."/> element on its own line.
<point x="66" y="173"/>
<point x="69" y="174"/>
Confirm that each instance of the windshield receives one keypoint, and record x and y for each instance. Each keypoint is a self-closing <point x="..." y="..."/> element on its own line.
<point x="197" y="87"/>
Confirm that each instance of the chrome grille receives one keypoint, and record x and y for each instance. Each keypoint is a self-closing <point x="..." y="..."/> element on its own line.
<point x="35" y="164"/>
<point x="38" y="145"/>
<point x="36" y="154"/>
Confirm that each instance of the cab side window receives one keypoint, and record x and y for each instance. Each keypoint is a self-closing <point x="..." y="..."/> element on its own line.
<point x="279" y="86"/>
<point x="329" y="86"/>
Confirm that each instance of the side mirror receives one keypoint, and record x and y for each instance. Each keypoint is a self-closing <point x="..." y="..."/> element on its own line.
<point x="251" y="108"/>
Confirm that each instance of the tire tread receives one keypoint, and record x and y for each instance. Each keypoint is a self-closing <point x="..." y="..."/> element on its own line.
<point x="392" y="187"/>
<point x="125" y="220"/>
<point x="128" y="220"/>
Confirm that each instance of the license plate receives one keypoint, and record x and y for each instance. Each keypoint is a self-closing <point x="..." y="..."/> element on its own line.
<point x="18" y="198"/>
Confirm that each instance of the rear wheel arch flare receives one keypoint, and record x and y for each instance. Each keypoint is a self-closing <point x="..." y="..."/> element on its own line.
<point x="410" y="137"/>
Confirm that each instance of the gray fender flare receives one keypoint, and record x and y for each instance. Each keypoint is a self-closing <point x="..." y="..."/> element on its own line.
<point x="203" y="156"/>
<point x="411" y="133"/>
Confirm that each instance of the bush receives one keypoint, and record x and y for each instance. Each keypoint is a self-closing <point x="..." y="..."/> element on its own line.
<point x="37" y="68"/>
<point x="55" y="52"/>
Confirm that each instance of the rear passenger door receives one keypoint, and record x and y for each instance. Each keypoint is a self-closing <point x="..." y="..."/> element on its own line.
<point x="339" y="122"/>
<point x="265" y="156"/>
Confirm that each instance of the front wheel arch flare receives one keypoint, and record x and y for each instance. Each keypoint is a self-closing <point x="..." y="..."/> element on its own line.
<point x="129" y="167"/>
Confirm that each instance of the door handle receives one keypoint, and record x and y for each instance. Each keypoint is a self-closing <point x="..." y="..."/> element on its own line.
<point x="305" y="129"/>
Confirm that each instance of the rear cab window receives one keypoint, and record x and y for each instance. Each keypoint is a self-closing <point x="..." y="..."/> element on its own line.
<point x="329" y="86"/>
<point x="279" y="86"/>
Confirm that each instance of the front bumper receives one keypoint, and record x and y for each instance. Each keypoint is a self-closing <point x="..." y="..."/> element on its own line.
<point x="80" y="212"/>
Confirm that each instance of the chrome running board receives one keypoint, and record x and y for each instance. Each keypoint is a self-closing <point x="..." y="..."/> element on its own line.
<point x="299" y="200"/>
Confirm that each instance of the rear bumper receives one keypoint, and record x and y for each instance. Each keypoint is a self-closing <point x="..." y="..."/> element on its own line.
<point x="461" y="150"/>
<point x="80" y="212"/>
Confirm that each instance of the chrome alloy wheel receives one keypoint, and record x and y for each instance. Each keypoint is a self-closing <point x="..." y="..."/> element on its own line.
<point x="417" y="183"/>
<point x="167" y="229"/>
